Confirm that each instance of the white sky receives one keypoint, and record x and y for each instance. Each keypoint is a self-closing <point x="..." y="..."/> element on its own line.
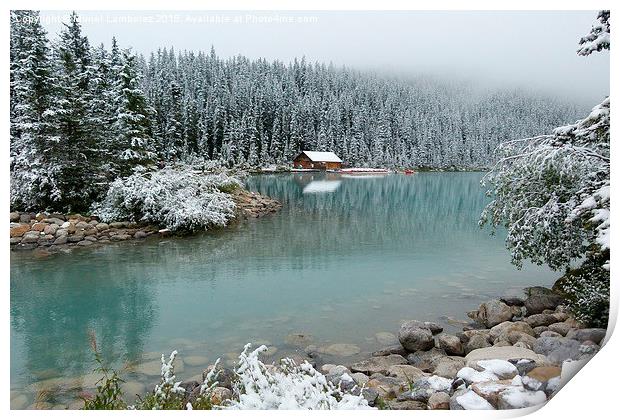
<point x="535" y="49"/>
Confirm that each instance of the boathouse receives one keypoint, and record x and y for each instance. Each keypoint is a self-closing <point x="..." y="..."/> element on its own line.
<point x="308" y="159"/>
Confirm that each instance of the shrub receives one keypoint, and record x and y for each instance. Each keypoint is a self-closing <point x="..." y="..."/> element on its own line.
<point x="178" y="198"/>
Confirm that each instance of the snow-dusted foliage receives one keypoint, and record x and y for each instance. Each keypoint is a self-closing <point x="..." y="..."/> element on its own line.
<point x="178" y="198"/>
<point x="551" y="192"/>
<point x="289" y="387"/>
<point x="598" y="38"/>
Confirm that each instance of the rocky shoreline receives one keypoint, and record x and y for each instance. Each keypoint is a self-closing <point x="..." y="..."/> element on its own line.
<point x="56" y="232"/>
<point x="518" y="352"/>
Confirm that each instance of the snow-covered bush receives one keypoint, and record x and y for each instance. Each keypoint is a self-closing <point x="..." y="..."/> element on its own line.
<point x="289" y="387"/>
<point x="178" y="198"/>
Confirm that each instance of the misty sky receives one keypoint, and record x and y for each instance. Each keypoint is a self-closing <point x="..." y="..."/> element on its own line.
<point x="513" y="49"/>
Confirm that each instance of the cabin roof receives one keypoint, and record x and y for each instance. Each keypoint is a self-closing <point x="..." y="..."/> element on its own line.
<point x="321" y="156"/>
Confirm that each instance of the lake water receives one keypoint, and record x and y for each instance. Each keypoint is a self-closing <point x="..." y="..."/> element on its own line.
<point x="346" y="258"/>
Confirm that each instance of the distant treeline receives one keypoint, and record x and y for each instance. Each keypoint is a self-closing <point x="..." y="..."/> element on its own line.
<point x="82" y="116"/>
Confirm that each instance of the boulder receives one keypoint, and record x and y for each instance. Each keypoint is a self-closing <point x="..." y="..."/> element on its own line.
<point x="407" y="373"/>
<point x="541" y="298"/>
<point x="380" y="364"/>
<point x="60" y="240"/>
<point x="492" y="313"/>
<point x="490" y="390"/>
<point x="449" y="366"/>
<point x="508" y="326"/>
<point x="406" y="405"/>
<point x="439" y="401"/>
<point x="561" y="328"/>
<point x="385" y="386"/>
<point x="504" y="353"/>
<point x="512" y="300"/>
<point x="140" y="235"/>
<point x="25" y="218"/>
<point x="595" y="335"/>
<point x="14" y="216"/>
<point x="559" y="349"/>
<point x="520" y="398"/>
<point x="451" y="344"/>
<point x="466" y="399"/>
<point x="18" y="230"/>
<point x="30" y="237"/>
<point x="102" y="226"/>
<point x="523" y="365"/>
<point x="539" y="330"/>
<point x="539" y="320"/>
<point x="477" y="341"/>
<point x="39" y="226"/>
<point x="397" y="349"/>
<point x="51" y="229"/>
<point x="75" y="238"/>
<point x="413" y="337"/>
<point x="538" y="378"/>
<point x="427" y="361"/>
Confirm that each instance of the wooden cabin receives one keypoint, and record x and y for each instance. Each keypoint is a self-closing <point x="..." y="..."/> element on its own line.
<point x="308" y="159"/>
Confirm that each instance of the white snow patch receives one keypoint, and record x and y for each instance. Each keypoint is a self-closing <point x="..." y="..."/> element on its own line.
<point x="438" y="383"/>
<point x="502" y="368"/>
<point x="473" y="376"/>
<point x="520" y="398"/>
<point x="472" y="401"/>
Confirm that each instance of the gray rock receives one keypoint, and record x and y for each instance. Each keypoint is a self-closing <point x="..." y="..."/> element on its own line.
<point x="549" y="334"/>
<point x="540" y="299"/>
<point x="378" y="364"/>
<point x="595" y="335"/>
<point x="75" y="238"/>
<point x="492" y="313"/>
<point x="512" y="300"/>
<point x="561" y="328"/>
<point x="413" y="337"/>
<point x="449" y="366"/>
<point x="539" y="330"/>
<point x="102" y="226"/>
<point x="439" y="401"/>
<point x="426" y="361"/>
<point x="450" y="344"/>
<point x="520" y="398"/>
<point x="298" y="340"/>
<point x="454" y="404"/>
<point x="370" y="395"/>
<point x="140" y="235"/>
<point x="477" y="341"/>
<point x="30" y="237"/>
<point x="407" y="373"/>
<point x="60" y="240"/>
<point x="118" y="225"/>
<point x="419" y="394"/>
<point x="504" y="353"/>
<point x="523" y="365"/>
<point x="14" y="216"/>
<point x="85" y="243"/>
<point x="53" y="221"/>
<point x="25" y="218"/>
<point x="539" y="320"/>
<point x="406" y="405"/>
<point x="559" y="349"/>
<point x="508" y="326"/>
<point x="120" y="237"/>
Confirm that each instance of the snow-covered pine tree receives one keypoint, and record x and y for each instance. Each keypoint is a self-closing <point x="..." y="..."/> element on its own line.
<point x="34" y="173"/>
<point x="133" y="125"/>
<point x="552" y="193"/>
<point x="78" y="155"/>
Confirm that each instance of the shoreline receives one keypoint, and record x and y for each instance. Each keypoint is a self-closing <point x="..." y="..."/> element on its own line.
<point x="516" y="352"/>
<point x="56" y="232"/>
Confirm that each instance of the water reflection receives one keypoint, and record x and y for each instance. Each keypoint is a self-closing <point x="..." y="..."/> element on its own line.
<point x="340" y="265"/>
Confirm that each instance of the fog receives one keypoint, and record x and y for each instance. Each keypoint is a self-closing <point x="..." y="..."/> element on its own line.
<point x="531" y="49"/>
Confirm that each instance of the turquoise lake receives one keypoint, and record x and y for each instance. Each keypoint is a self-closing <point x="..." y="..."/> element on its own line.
<point x="346" y="258"/>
